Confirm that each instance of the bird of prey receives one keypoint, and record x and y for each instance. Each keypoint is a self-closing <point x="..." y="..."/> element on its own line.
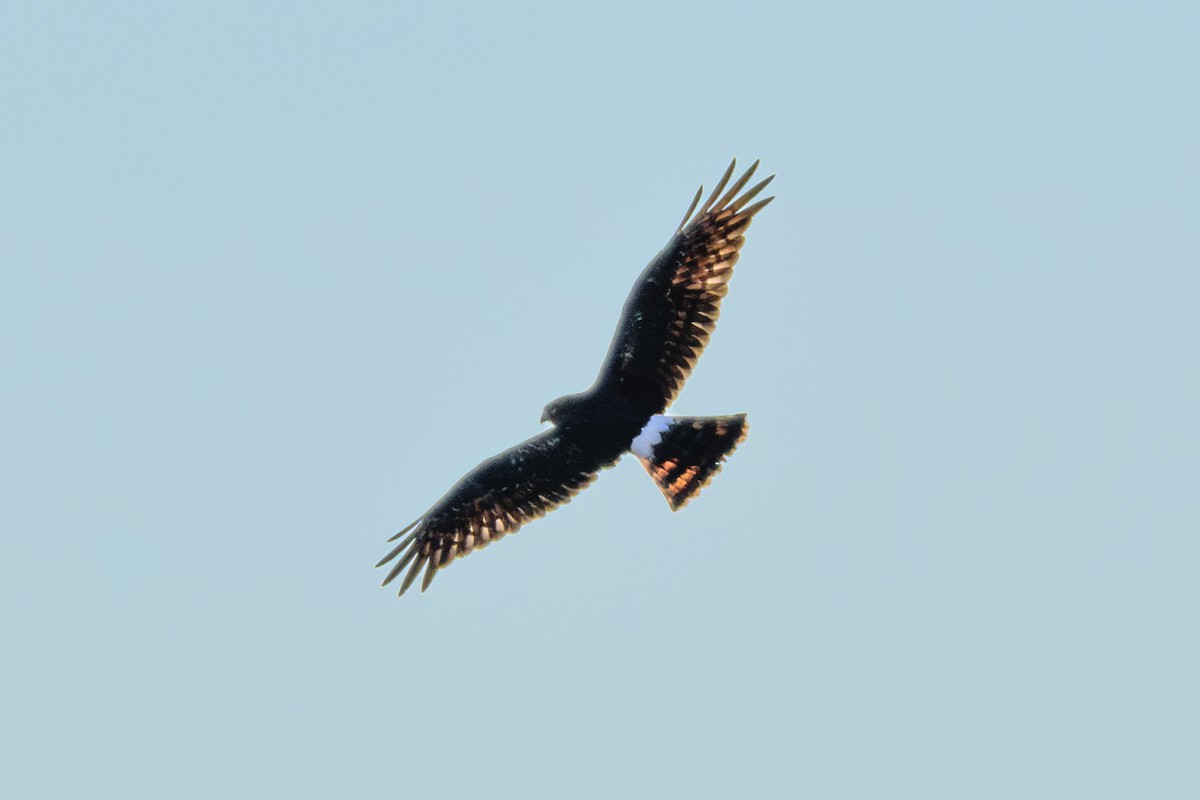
<point x="664" y="326"/>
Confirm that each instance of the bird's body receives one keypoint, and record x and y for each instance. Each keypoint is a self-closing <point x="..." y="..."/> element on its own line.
<point x="664" y="326"/>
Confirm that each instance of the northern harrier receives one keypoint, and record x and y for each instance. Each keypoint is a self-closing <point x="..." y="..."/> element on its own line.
<point x="663" y="328"/>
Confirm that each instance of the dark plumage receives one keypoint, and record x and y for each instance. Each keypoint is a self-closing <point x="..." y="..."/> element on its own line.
<point x="664" y="327"/>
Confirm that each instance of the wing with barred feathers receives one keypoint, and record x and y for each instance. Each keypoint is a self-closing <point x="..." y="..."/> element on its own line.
<point x="493" y="500"/>
<point x="674" y="305"/>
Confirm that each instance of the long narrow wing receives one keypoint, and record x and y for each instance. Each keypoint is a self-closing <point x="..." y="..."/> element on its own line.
<point x="494" y="499"/>
<point x="674" y="305"/>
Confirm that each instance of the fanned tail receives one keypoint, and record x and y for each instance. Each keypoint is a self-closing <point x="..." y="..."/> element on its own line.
<point x="682" y="454"/>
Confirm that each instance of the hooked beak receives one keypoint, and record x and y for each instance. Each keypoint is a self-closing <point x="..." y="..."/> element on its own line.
<point x="545" y="416"/>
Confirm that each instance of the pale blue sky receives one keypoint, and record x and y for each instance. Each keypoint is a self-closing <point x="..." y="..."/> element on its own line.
<point x="275" y="275"/>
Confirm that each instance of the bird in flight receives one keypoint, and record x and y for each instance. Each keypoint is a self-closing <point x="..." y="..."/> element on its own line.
<point x="664" y="326"/>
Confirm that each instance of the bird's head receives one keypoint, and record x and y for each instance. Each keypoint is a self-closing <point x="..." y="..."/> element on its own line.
<point x="560" y="410"/>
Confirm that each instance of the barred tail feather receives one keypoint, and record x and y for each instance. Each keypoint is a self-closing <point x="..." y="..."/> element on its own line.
<point x="682" y="454"/>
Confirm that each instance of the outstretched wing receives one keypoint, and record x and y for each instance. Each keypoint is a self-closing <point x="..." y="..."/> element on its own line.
<point x="492" y="500"/>
<point x="674" y="305"/>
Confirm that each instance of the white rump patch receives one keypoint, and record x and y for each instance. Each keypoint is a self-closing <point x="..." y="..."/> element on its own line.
<point x="645" y="442"/>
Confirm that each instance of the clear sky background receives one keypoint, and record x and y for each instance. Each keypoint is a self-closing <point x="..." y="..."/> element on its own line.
<point x="275" y="275"/>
